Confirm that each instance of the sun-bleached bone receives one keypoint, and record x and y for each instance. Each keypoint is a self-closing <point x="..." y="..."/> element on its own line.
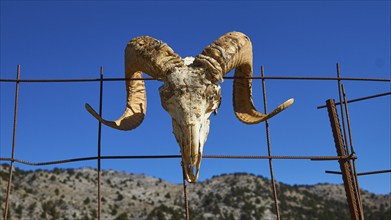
<point x="190" y="92"/>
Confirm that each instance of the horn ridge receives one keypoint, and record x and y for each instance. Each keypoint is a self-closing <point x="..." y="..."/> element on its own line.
<point x="142" y="54"/>
<point x="234" y="51"/>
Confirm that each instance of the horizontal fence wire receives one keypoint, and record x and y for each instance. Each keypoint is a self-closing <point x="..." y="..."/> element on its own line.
<point x="362" y="173"/>
<point x="360" y="99"/>
<point x="178" y="156"/>
<point x="227" y="77"/>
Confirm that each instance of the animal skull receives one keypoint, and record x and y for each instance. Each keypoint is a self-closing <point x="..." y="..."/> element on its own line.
<point x="190" y="92"/>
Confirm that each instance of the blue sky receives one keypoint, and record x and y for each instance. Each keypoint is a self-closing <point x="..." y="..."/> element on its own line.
<point x="59" y="39"/>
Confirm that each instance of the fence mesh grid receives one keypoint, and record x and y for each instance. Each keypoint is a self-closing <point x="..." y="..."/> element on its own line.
<point x="349" y="157"/>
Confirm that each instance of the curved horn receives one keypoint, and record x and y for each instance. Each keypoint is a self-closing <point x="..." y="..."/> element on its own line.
<point x="142" y="54"/>
<point x="234" y="50"/>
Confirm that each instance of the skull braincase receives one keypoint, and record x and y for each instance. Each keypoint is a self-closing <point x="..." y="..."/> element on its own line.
<point x="190" y="99"/>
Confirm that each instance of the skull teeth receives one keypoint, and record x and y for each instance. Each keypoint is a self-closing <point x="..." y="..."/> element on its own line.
<point x="191" y="170"/>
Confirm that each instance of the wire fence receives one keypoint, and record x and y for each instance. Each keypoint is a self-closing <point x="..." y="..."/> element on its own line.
<point x="346" y="154"/>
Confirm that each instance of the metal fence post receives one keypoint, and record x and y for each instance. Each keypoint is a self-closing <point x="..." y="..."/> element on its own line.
<point x="346" y="169"/>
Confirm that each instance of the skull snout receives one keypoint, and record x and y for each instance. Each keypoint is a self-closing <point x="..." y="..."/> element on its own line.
<point x="191" y="148"/>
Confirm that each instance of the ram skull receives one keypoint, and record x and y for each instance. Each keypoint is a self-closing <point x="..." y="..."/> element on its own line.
<point x="190" y="92"/>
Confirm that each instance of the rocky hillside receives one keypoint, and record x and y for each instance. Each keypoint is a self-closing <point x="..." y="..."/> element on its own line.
<point x="72" y="194"/>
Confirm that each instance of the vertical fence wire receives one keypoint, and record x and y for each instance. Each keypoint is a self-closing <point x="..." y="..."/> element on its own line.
<point x="353" y="161"/>
<point x="99" y="144"/>
<point x="344" y="110"/>
<point x="7" y="200"/>
<point x="187" y="214"/>
<point x="341" y="108"/>
<point x="345" y="104"/>
<point x="269" y="147"/>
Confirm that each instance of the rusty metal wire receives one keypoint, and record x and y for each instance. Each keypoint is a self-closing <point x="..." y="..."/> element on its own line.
<point x="349" y="168"/>
<point x="99" y="145"/>
<point x="251" y="157"/>
<point x="362" y="173"/>
<point x="269" y="151"/>
<point x="13" y="144"/>
<point x="359" y="99"/>
<point x="226" y="77"/>
<point x="187" y="213"/>
<point x="353" y="162"/>
<point x="72" y="80"/>
<point x="345" y="166"/>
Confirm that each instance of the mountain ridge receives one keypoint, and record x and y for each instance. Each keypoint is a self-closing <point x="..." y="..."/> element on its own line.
<point x="72" y="194"/>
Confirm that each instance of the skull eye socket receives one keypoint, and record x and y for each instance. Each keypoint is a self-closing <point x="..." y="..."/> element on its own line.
<point x="165" y="95"/>
<point x="211" y="92"/>
<point x="213" y="96"/>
